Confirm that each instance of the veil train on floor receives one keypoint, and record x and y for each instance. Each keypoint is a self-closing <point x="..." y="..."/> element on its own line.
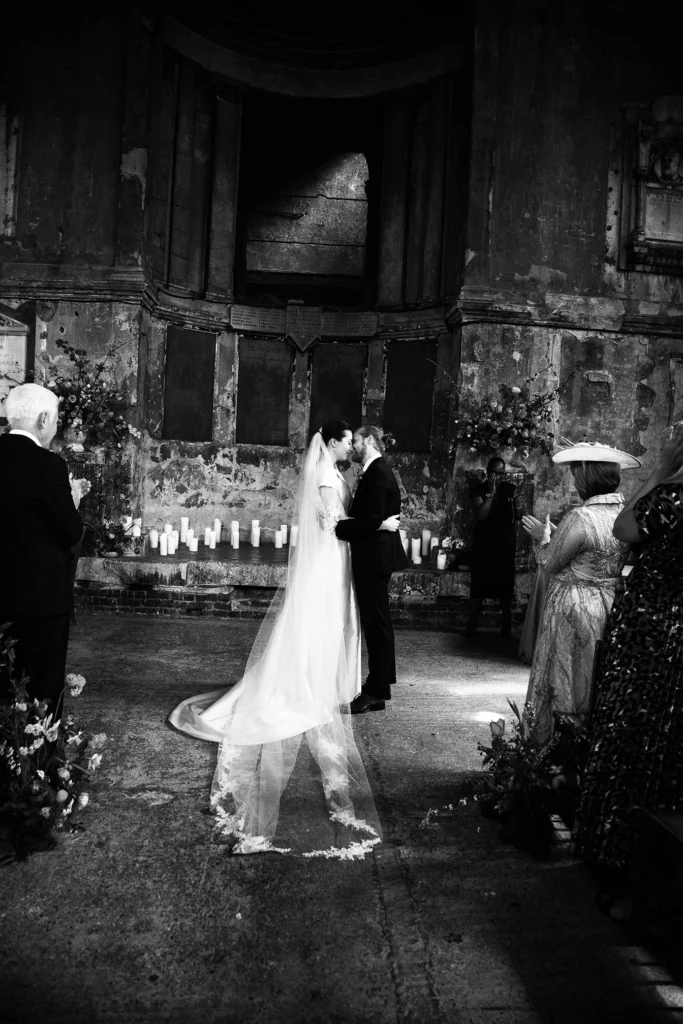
<point x="270" y="792"/>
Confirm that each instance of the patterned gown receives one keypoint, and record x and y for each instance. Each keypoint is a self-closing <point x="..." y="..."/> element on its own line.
<point x="584" y="561"/>
<point x="636" y="756"/>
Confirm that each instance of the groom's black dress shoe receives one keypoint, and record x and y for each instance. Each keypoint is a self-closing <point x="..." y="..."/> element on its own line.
<point x="364" y="702"/>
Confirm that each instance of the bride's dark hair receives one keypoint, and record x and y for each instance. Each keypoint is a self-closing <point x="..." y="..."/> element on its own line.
<point x="334" y="429"/>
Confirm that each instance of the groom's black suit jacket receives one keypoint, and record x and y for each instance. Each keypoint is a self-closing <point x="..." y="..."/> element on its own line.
<point x="39" y="525"/>
<point x="373" y="551"/>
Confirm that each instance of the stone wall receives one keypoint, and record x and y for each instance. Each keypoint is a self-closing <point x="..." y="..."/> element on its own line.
<point x="546" y="287"/>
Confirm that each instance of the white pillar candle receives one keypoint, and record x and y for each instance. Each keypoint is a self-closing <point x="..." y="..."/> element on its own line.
<point x="403" y="535"/>
<point x="172" y="543"/>
<point x="255" y="522"/>
<point x="406" y="544"/>
<point x="154" y="539"/>
<point x="255" y="536"/>
<point x="207" y="535"/>
<point x="235" y="539"/>
<point x="184" y="524"/>
<point x="441" y="560"/>
<point x="163" y="544"/>
<point x="294" y="536"/>
<point x="283" y="531"/>
<point x="426" y="537"/>
<point x="234" y="525"/>
<point x="194" y="544"/>
<point x="415" y="548"/>
<point x="417" y="560"/>
<point x="217" y="527"/>
<point x="189" y="535"/>
<point x="136" y="531"/>
<point x="212" y="540"/>
<point x="168" y="527"/>
<point x="278" y="538"/>
<point x="175" y="537"/>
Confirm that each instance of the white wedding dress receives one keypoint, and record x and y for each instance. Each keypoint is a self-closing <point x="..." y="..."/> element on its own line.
<point x="269" y="792"/>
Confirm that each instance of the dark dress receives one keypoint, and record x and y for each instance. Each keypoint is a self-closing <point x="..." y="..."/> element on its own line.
<point x="493" y="547"/>
<point x="636" y="755"/>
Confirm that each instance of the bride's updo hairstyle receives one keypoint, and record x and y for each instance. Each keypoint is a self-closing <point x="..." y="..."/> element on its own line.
<point x="382" y="441"/>
<point x="334" y="430"/>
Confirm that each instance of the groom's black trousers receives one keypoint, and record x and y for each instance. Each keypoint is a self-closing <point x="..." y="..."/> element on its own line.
<point x="372" y="593"/>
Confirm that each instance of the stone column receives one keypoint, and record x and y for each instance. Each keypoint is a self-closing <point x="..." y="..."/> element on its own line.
<point x="392" y="229"/>
<point x="226" y="149"/>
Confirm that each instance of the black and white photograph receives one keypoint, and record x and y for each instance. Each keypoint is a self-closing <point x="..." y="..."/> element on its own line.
<point x="341" y="513"/>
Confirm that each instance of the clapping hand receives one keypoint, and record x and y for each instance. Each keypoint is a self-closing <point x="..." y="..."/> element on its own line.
<point x="79" y="489"/>
<point x="539" y="531"/>
<point x="391" y="524"/>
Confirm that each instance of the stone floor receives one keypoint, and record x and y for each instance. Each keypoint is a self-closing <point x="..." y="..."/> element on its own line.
<point x="141" y="918"/>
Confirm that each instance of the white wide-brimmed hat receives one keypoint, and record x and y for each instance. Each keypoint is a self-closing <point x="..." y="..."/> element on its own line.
<point x="593" y="451"/>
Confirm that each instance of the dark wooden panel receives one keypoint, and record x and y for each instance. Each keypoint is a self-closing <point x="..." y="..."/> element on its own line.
<point x="264" y="382"/>
<point x="337" y="384"/>
<point x="410" y="394"/>
<point x="188" y="390"/>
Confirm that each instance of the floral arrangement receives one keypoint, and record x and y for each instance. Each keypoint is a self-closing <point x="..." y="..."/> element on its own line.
<point x="526" y="783"/>
<point x="89" y="404"/>
<point x="518" y="418"/>
<point x="45" y="764"/>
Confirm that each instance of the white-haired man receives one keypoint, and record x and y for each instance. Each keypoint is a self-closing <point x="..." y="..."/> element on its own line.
<point x="39" y="524"/>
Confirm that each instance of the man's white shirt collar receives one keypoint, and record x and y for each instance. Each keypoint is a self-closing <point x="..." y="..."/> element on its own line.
<point x="25" y="433"/>
<point x="375" y="455"/>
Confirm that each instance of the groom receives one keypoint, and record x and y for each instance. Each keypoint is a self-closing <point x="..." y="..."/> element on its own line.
<point x="375" y="554"/>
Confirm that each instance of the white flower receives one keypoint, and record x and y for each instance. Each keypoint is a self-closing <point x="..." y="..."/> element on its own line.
<point x="36" y="745"/>
<point x="52" y="733"/>
<point x="21" y="706"/>
<point x="40" y="774"/>
<point x="64" y="773"/>
<point x="516" y="391"/>
<point x="45" y="811"/>
<point x="23" y="751"/>
<point x="33" y="728"/>
<point x="75" y="684"/>
<point x="94" y="762"/>
<point x="328" y="748"/>
<point x="62" y="796"/>
<point x="83" y="800"/>
<point x="98" y="741"/>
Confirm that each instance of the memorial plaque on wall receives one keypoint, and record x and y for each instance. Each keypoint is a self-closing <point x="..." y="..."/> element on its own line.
<point x="410" y="394"/>
<point x="337" y="384"/>
<point x="664" y="215"/>
<point x="349" y="325"/>
<point x="263" y="387"/>
<point x="260" y="319"/>
<point x="188" y="389"/>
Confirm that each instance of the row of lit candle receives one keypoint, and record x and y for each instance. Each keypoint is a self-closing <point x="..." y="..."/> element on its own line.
<point x="166" y="541"/>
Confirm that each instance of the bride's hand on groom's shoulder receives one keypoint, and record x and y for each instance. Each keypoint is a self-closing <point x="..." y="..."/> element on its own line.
<point x="391" y="524"/>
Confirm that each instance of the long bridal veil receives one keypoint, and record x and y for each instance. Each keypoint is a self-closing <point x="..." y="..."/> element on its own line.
<point x="270" y="791"/>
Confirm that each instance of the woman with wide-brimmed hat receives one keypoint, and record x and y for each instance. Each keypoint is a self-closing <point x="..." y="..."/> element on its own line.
<point x="584" y="560"/>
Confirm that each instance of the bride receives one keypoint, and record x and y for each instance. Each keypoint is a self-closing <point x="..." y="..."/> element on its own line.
<point x="269" y="793"/>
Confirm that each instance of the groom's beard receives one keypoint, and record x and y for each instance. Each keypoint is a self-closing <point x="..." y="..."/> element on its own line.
<point x="360" y="456"/>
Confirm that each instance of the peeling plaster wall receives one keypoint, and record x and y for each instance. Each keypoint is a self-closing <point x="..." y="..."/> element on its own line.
<point x="248" y="482"/>
<point x="551" y="82"/>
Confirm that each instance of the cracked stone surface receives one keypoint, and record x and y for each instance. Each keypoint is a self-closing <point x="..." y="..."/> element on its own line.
<point x="140" y="918"/>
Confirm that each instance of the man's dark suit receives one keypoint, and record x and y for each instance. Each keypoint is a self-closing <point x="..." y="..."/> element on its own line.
<point x="375" y="554"/>
<point x="39" y="524"/>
